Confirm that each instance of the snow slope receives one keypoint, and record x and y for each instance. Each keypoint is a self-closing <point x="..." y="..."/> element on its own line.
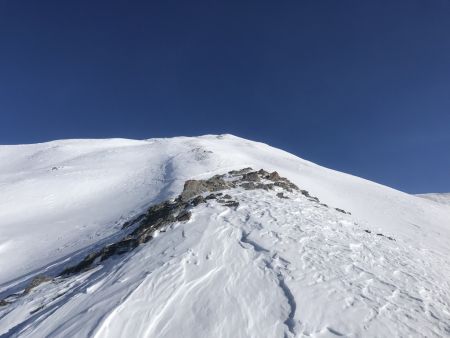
<point x="272" y="267"/>
<point x="443" y="198"/>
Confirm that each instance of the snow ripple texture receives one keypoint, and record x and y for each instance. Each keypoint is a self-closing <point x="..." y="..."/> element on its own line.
<point x="271" y="268"/>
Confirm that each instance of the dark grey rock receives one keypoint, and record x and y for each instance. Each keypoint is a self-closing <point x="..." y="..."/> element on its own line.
<point x="184" y="216"/>
<point x="231" y="204"/>
<point x="197" y="200"/>
<point x="281" y="195"/>
<point x="252" y="176"/>
<point x="263" y="173"/>
<point x="248" y="185"/>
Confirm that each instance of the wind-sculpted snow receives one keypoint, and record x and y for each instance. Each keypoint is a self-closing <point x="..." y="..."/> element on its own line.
<point x="341" y="256"/>
<point x="268" y="267"/>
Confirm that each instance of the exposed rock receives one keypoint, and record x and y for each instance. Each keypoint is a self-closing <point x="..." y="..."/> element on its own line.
<point x="305" y="193"/>
<point x="263" y="173"/>
<point x="342" y="210"/>
<point x="252" y="176"/>
<point x="192" y="188"/>
<point x="184" y="216"/>
<point x="240" y="172"/>
<point x="274" y="176"/>
<point x="283" y="185"/>
<point x="133" y="221"/>
<point x="226" y="197"/>
<point x="281" y="195"/>
<point x="3" y="302"/>
<point x="36" y="281"/>
<point x="195" y="187"/>
<point x="197" y="200"/>
<point x="231" y="204"/>
<point x="37" y="309"/>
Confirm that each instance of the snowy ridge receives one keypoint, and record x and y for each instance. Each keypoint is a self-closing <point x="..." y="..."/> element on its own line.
<point x="443" y="198"/>
<point x="271" y="266"/>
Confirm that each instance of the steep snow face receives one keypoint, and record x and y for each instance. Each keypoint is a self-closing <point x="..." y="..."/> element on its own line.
<point x="272" y="267"/>
<point x="443" y="198"/>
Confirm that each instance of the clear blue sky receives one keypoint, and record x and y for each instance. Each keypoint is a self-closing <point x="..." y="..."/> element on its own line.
<point x="359" y="86"/>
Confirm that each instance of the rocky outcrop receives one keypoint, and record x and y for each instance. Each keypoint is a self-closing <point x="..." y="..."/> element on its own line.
<point x="195" y="192"/>
<point x="158" y="217"/>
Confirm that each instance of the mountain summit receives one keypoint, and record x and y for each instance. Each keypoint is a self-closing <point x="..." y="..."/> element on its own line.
<point x="212" y="236"/>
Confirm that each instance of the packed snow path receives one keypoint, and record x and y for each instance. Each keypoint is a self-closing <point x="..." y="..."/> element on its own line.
<point x="270" y="267"/>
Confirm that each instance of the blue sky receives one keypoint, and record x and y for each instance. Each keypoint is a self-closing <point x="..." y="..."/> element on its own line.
<point x="358" y="86"/>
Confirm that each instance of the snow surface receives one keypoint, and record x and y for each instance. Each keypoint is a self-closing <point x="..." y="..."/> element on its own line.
<point x="443" y="198"/>
<point x="272" y="268"/>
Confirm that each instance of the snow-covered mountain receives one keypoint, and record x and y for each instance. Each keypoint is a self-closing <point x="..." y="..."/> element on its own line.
<point x="96" y="241"/>
<point x="443" y="198"/>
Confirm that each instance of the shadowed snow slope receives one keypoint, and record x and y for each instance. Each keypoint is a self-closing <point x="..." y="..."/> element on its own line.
<point x="271" y="267"/>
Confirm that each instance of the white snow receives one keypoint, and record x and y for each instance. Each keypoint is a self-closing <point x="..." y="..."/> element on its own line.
<point x="443" y="198"/>
<point x="272" y="268"/>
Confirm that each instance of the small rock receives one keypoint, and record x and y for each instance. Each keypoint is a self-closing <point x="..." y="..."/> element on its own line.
<point x="38" y="280"/>
<point x="263" y="173"/>
<point x="231" y="204"/>
<point x="197" y="200"/>
<point x="274" y="176"/>
<point x="184" y="216"/>
<point x="253" y="177"/>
